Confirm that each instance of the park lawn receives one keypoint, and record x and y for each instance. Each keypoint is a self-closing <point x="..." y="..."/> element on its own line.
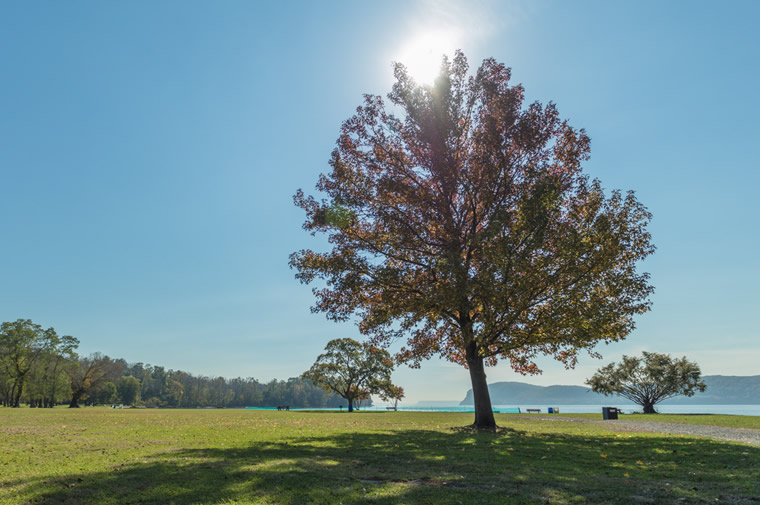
<point x="750" y="422"/>
<point x="182" y="457"/>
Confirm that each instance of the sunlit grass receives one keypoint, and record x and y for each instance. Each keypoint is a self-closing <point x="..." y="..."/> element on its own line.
<point x="752" y="422"/>
<point x="106" y="456"/>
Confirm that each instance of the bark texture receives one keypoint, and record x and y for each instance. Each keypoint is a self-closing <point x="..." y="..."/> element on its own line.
<point x="484" y="419"/>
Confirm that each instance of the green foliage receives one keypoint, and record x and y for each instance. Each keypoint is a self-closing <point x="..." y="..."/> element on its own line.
<point x="338" y="217"/>
<point x="395" y="393"/>
<point x="92" y="380"/>
<point x="49" y="383"/>
<point x="129" y="390"/>
<point x="467" y="227"/>
<point x="353" y="371"/>
<point x="32" y="362"/>
<point x="105" y="394"/>
<point x="648" y="380"/>
<point x="42" y="369"/>
<point x="175" y="388"/>
<point x="188" y="457"/>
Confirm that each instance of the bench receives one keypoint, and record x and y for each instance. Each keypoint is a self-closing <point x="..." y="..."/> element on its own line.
<point x="283" y="407"/>
<point x="391" y="408"/>
<point x="533" y="411"/>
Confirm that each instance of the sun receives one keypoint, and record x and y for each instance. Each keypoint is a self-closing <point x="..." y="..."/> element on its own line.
<point x="422" y="55"/>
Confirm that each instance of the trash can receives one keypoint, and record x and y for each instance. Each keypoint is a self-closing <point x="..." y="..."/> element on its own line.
<point x="609" y="413"/>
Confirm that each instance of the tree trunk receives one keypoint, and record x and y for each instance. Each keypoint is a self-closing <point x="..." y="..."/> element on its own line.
<point x="75" y="400"/>
<point x="649" y="408"/>
<point x="19" y="390"/>
<point x="350" y="404"/>
<point x="484" y="419"/>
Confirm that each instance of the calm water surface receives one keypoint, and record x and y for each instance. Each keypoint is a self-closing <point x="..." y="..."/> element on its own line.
<point x="741" y="410"/>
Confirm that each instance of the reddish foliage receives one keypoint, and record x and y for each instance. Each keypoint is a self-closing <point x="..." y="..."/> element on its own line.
<point x="468" y="228"/>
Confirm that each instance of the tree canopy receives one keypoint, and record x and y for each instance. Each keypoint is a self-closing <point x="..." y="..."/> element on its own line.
<point x="91" y="375"/>
<point x="462" y="222"/>
<point x="354" y="370"/>
<point x="28" y="352"/>
<point x="648" y="380"/>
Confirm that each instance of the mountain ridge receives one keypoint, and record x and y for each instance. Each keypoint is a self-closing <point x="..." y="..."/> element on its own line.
<point x="721" y="390"/>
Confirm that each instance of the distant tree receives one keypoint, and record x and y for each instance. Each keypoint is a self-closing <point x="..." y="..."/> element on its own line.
<point x="49" y="381"/>
<point x="22" y="344"/>
<point x="648" y="380"/>
<point x="361" y="396"/>
<point x="154" y="384"/>
<point x="91" y="374"/>
<point x="103" y="394"/>
<point x="467" y="226"/>
<point x="128" y="389"/>
<point x="6" y="382"/>
<point x="395" y="393"/>
<point x="220" y="395"/>
<point x="174" y="392"/>
<point x="351" y="370"/>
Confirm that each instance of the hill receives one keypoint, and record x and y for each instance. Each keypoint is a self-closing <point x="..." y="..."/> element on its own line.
<point x="721" y="390"/>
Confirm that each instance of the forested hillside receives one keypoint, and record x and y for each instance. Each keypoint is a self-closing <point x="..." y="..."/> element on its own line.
<point x="42" y="369"/>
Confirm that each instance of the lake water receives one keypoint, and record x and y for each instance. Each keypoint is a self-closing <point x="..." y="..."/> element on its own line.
<point x="741" y="410"/>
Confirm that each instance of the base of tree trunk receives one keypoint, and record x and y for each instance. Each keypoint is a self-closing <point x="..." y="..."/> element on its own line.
<point x="475" y="427"/>
<point x="484" y="419"/>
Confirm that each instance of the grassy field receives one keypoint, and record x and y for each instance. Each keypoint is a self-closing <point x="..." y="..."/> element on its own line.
<point x="751" y="422"/>
<point x="182" y="457"/>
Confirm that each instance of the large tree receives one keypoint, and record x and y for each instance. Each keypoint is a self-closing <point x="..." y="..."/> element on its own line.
<point x="648" y="380"/>
<point x="91" y="375"/>
<point x="466" y="225"/>
<point x="353" y="370"/>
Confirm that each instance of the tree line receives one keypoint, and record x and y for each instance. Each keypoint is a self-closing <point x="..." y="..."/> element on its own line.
<point x="40" y="368"/>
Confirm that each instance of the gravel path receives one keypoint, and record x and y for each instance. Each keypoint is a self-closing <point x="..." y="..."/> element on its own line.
<point x="744" y="435"/>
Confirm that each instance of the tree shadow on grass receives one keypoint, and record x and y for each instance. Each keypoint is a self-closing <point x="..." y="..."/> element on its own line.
<point x="415" y="466"/>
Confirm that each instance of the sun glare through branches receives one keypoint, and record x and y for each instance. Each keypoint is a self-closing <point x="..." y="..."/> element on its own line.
<point x="423" y="53"/>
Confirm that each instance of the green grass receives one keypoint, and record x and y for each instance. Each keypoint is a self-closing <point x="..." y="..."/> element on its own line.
<point x="183" y="457"/>
<point x="751" y="422"/>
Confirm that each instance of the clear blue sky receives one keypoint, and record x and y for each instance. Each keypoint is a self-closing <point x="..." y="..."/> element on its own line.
<point x="149" y="152"/>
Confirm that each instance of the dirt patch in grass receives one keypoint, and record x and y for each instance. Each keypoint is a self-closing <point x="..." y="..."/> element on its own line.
<point x="23" y="430"/>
